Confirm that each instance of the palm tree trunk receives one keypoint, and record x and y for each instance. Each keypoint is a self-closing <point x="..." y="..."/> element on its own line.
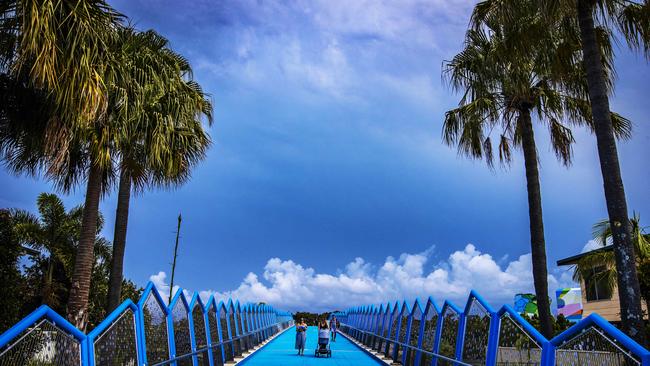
<point x="119" y="241"/>
<point x="537" y="242"/>
<point x="46" y="293"/>
<point x="85" y="257"/>
<point x="628" y="284"/>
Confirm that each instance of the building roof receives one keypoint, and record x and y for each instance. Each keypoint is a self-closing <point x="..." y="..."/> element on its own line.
<point x="572" y="260"/>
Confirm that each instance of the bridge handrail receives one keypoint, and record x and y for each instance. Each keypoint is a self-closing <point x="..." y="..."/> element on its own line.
<point x="214" y="345"/>
<point x="405" y="345"/>
<point x="46" y="336"/>
<point x="480" y="336"/>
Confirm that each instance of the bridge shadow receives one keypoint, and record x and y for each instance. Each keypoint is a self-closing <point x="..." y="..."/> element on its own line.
<point x="281" y="351"/>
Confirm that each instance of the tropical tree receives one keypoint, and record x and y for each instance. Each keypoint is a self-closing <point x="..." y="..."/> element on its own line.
<point x="167" y="138"/>
<point x="631" y="20"/>
<point x="60" y="49"/>
<point x="603" y="257"/>
<point x="512" y="71"/>
<point x="52" y="237"/>
<point x="23" y="147"/>
<point x="136" y="82"/>
<point x="50" y="241"/>
<point x="11" y="280"/>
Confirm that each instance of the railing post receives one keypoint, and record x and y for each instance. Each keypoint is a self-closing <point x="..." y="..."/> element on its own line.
<point x="87" y="358"/>
<point x="170" y="335"/>
<point x="222" y="347"/>
<point x="548" y="354"/>
<point x="142" y="344"/>
<point x="436" y="342"/>
<point x="396" y="340"/>
<point x="493" y="340"/>
<point x="423" y="323"/>
<point x="460" y="337"/>
<point x="208" y="336"/>
<point x="407" y="339"/>
<point x="190" y="323"/>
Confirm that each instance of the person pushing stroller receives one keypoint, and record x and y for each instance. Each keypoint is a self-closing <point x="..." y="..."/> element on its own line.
<point x="323" y="348"/>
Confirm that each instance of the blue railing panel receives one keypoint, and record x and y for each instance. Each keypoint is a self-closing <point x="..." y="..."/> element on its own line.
<point x="480" y="336"/>
<point x="154" y="325"/>
<point x="518" y="342"/>
<point x="595" y="341"/>
<point x="392" y="331"/>
<point x="402" y="331"/>
<point x="115" y="341"/>
<point x="475" y="330"/>
<point x="215" y="333"/>
<point x="429" y="332"/>
<point x="379" y="322"/>
<point x="185" y="333"/>
<point x="43" y="337"/>
<point x="413" y="338"/>
<point x="181" y="329"/>
<point x="200" y="332"/>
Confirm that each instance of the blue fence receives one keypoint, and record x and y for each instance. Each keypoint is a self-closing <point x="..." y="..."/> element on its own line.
<point x="185" y="333"/>
<point x="478" y="335"/>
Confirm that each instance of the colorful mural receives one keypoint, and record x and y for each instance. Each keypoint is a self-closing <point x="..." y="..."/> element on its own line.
<point x="526" y="304"/>
<point x="569" y="303"/>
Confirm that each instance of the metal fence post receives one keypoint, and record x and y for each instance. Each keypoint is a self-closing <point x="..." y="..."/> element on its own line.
<point x="493" y="340"/>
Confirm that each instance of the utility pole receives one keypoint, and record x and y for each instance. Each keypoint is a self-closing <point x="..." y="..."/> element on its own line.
<point x="178" y="233"/>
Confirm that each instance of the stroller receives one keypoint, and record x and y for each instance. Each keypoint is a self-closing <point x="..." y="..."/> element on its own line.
<point x="323" y="348"/>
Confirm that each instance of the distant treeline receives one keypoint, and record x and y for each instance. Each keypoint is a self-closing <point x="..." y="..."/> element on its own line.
<point x="310" y="318"/>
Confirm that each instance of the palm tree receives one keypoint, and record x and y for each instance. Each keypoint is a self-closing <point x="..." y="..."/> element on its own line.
<point x="631" y="20"/>
<point x="169" y="139"/>
<point x="508" y="75"/>
<point x="50" y="240"/>
<point x="60" y="49"/>
<point x="604" y="257"/>
<point x="70" y="141"/>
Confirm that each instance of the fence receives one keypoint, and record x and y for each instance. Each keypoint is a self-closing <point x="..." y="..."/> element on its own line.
<point x="478" y="335"/>
<point x="185" y="333"/>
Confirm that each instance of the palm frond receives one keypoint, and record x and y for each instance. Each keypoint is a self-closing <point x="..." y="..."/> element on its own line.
<point x="561" y="140"/>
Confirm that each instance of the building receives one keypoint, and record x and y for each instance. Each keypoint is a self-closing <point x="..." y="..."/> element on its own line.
<point x="597" y="297"/>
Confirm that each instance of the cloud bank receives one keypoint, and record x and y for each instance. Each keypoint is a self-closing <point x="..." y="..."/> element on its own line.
<point x="288" y="285"/>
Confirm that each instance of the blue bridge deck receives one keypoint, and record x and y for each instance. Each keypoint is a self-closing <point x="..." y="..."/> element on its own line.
<point x="281" y="351"/>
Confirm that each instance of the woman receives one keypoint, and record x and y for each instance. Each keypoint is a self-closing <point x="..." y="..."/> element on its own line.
<point x="333" y="327"/>
<point x="301" y="336"/>
<point x="322" y="330"/>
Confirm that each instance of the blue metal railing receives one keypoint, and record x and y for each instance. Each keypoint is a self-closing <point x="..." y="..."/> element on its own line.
<point x="479" y="335"/>
<point x="146" y="333"/>
<point x="194" y="333"/>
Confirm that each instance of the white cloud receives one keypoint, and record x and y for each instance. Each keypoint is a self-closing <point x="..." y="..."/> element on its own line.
<point x="289" y="285"/>
<point x="160" y="280"/>
<point x="350" y="51"/>
<point x="327" y="71"/>
<point x="391" y="20"/>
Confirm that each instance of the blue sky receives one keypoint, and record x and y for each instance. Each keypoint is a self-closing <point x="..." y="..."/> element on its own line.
<point x="328" y="178"/>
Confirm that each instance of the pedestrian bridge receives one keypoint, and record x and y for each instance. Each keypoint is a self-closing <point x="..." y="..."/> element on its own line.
<point x="189" y="332"/>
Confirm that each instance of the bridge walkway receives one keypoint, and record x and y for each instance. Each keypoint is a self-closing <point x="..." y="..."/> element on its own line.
<point x="280" y="351"/>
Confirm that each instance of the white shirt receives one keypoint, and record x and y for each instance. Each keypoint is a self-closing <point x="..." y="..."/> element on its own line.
<point x="323" y="333"/>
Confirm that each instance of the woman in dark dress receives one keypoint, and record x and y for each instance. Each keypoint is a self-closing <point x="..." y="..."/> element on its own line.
<point x="301" y="336"/>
